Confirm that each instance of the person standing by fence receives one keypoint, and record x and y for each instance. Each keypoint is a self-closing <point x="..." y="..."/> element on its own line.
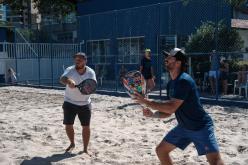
<point x="224" y="71"/>
<point x="214" y="72"/>
<point x="147" y="70"/>
<point x="199" y="76"/>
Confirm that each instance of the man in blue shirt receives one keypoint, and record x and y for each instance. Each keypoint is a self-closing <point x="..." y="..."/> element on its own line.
<point x="194" y="124"/>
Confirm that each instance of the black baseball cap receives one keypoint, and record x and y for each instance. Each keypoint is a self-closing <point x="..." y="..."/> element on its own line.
<point x="179" y="54"/>
<point x="80" y="54"/>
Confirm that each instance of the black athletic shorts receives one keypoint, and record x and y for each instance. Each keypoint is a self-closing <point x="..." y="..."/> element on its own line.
<point x="71" y="110"/>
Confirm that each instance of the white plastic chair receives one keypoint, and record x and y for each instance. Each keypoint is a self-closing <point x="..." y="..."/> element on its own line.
<point x="235" y="86"/>
<point x="240" y="88"/>
<point x="101" y="78"/>
<point x="205" y="82"/>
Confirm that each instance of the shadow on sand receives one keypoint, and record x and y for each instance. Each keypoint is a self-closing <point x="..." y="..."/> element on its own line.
<point x="126" y="105"/>
<point x="48" y="160"/>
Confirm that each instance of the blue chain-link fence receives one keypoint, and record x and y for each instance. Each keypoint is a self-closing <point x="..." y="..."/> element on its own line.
<point x="213" y="33"/>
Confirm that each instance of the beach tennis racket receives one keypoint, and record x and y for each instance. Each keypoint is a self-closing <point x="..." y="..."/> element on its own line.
<point x="87" y="86"/>
<point x="134" y="82"/>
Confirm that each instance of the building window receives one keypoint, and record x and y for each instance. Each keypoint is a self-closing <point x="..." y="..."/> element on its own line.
<point x="168" y="42"/>
<point x="98" y="51"/>
<point x="130" y="50"/>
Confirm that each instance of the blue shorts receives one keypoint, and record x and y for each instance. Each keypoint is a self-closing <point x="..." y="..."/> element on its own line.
<point x="213" y="73"/>
<point x="203" y="139"/>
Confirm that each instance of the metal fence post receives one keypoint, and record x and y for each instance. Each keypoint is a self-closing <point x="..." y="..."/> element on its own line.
<point x="51" y="58"/>
<point x="190" y="66"/>
<point x="217" y="54"/>
<point x="160" y="57"/>
<point x="16" y="66"/>
<point x="115" y="52"/>
<point x="217" y="78"/>
<point x="39" y="69"/>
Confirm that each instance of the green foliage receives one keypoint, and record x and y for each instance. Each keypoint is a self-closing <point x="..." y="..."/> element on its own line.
<point x="203" y="40"/>
<point x="27" y="34"/>
<point x="229" y="39"/>
<point x="240" y="63"/>
<point x="15" y="5"/>
<point x="56" y="8"/>
<point x="234" y="3"/>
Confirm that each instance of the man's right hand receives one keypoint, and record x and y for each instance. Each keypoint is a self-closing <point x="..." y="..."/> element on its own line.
<point x="147" y="112"/>
<point x="71" y="83"/>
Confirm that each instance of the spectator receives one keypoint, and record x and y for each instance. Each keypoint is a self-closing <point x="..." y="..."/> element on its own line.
<point x="199" y="76"/>
<point x="214" y="72"/>
<point x="147" y="70"/>
<point x="243" y="75"/>
<point x="224" y="71"/>
<point x="11" y="76"/>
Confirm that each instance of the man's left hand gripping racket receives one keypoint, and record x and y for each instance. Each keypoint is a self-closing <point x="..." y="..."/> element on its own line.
<point x="87" y="86"/>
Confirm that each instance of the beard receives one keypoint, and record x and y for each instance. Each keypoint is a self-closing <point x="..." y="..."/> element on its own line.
<point x="79" y="66"/>
<point x="168" y="67"/>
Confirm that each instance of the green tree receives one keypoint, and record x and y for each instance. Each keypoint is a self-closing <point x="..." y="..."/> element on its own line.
<point x="15" y="5"/>
<point x="56" y="8"/>
<point x="204" y="40"/>
<point x="234" y="3"/>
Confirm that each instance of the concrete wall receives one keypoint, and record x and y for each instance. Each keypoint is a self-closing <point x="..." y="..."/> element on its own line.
<point x="29" y="70"/>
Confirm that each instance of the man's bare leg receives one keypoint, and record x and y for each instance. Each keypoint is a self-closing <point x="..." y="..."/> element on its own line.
<point x="214" y="159"/>
<point x="163" y="150"/>
<point x="212" y="84"/>
<point x="70" y="134"/>
<point x="86" y="137"/>
<point x="225" y="87"/>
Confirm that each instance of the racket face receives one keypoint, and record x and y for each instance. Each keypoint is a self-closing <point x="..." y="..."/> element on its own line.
<point x="134" y="82"/>
<point x="87" y="86"/>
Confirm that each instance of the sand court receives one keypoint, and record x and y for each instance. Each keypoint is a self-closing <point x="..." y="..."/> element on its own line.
<point x="32" y="133"/>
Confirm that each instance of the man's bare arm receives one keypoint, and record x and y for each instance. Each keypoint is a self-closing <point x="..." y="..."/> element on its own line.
<point x="168" y="107"/>
<point x="65" y="80"/>
<point x="152" y="71"/>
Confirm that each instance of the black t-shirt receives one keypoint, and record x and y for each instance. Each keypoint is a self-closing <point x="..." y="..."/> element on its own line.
<point x="147" y="68"/>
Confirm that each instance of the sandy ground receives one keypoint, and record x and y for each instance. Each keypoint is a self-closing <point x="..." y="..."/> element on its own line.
<point x="32" y="133"/>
